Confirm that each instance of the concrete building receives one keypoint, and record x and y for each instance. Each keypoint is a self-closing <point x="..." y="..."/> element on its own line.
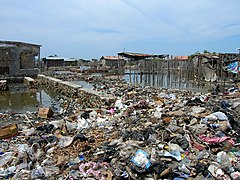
<point x="18" y="58"/>
<point x="70" y="62"/>
<point x="55" y="61"/>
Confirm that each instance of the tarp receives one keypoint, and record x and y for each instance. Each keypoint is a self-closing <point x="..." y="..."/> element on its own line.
<point x="233" y="67"/>
<point x="209" y="73"/>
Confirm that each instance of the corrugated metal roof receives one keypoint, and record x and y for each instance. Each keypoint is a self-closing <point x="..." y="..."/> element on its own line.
<point x="135" y="54"/>
<point x="210" y="56"/>
<point x="112" y="58"/>
<point x="17" y="43"/>
<point x="55" y="58"/>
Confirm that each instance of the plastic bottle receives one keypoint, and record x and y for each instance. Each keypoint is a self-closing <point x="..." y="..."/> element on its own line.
<point x="5" y="158"/>
<point x="38" y="172"/>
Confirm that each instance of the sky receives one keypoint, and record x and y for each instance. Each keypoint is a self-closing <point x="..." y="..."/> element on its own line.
<point x="90" y="29"/>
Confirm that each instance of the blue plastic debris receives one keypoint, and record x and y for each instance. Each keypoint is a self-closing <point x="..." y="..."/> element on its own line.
<point x="81" y="158"/>
<point x="141" y="159"/>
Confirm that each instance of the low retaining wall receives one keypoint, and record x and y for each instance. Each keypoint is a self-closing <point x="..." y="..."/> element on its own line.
<point x="30" y="82"/>
<point x="87" y="97"/>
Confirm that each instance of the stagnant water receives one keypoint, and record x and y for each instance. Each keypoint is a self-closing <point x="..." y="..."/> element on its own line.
<point x="19" y="99"/>
<point x="168" y="81"/>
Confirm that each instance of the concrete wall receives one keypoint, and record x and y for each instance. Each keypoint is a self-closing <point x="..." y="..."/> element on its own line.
<point x="8" y="63"/>
<point x="17" y="59"/>
<point x="86" y="97"/>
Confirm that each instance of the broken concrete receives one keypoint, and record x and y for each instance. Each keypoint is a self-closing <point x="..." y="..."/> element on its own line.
<point x="30" y="82"/>
<point x="3" y="85"/>
<point x="87" y="97"/>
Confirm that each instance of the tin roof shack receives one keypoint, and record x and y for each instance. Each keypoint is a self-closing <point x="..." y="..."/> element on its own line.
<point x="70" y="62"/>
<point x="139" y="60"/>
<point x="209" y="64"/>
<point x="53" y="61"/>
<point x="228" y="57"/>
<point x="134" y="58"/>
<point x="112" y="61"/>
<point x="18" y="58"/>
<point x="229" y="63"/>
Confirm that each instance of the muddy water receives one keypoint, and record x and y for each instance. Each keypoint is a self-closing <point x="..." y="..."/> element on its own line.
<point x="165" y="80"/>
<point x="19" y="99"/>
<point x="84" y="84"/>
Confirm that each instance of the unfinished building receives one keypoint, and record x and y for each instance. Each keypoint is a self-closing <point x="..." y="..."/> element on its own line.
<point x="19" y="58"/>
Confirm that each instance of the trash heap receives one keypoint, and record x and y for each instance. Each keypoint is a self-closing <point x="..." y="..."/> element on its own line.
<point x="146" y="133"/>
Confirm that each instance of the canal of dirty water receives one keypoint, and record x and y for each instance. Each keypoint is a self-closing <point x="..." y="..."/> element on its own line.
<point x="19" y="99"/>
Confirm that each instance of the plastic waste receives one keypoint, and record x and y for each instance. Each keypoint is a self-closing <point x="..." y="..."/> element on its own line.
<point x="197" y="109"/>
<point x="203" y="155"/>
<point x="112" y="111"/>
<point x="214" y="126"/>
<point x="51" y="170"/>
<point x="93" y="169"/>
<point x="57" y="124"/>
<point x="174" y="154"/>
<point x="5" y="174"/>
<point x="47" y="128"/>
<point x="71" y="126"/>
<point x="22" y="174"/>
<point x="158" y="113"/>
<point x="141" y="159"/>
<point x="215" y="140"/>
<point x="93" y="115"/>
<point x="235" y="175"/>
<point x="224" y="160"/>
<point x="172" y="96"/>
<point x="65" y="141"/>
<point x="50" y="150"/>
<point x="82" y="123"/>
<point x="12" y="169"/>
<point x="29" y="132"/>
<point x="119" y="105"/>
<point x="175" y="147"/>
<point x="217" y="116"/>
<point x="81" y="158"/>
<point x="153" y="158"/>
<point x="38" y="172"/>
<point x="5" y="158"/>
<point x="224" y="104"/>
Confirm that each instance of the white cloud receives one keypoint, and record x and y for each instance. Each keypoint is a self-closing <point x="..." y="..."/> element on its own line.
<point x="109" y="24"/>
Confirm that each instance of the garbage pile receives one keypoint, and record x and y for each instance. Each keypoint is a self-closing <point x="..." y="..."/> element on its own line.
<point x="146" y="133"/>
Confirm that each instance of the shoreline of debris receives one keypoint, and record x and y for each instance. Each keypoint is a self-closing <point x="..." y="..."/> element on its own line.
<point x="145" y="133"/>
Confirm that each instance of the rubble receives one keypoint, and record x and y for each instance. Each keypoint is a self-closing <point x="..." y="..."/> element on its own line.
<point x="30" y="82"/>
<point x="45" y="113"/>
<point x="3" y="85"/>
<point x="142" y="133"/>
<point x="8" y="131"/>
